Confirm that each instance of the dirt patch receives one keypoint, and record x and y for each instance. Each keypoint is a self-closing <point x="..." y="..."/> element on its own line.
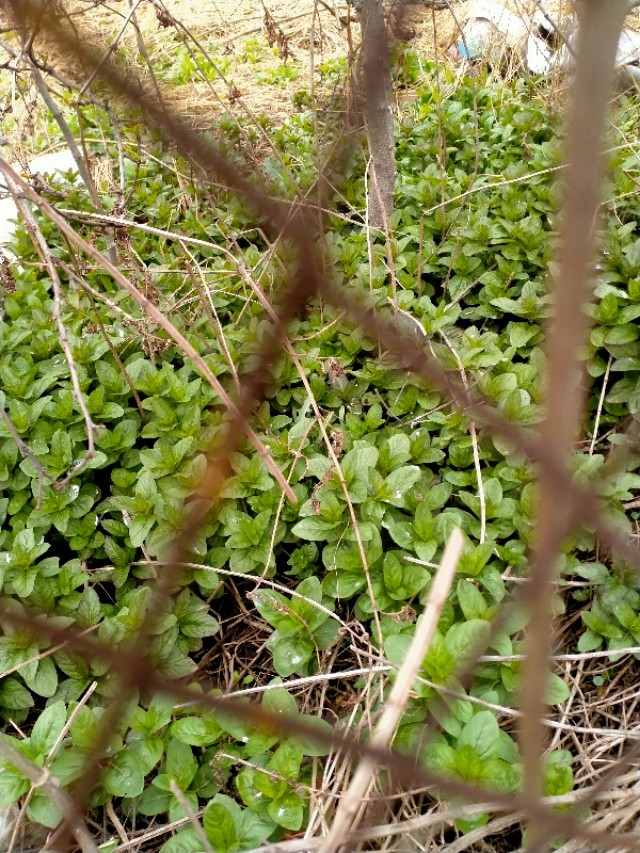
<point x="262" y="55"/>
<point x="265" y="56"/>
<point x="263" y="52"/>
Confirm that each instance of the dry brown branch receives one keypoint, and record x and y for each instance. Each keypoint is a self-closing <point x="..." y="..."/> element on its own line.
<point x="45" y="769"/>
<point x="563" y="503"/>
<point x="191" y="815"/>
<point x="598" y="38"/>
<point x="56" y="112"/>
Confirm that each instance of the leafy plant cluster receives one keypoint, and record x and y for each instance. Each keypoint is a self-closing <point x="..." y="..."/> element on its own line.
<point x="473" y="275"/>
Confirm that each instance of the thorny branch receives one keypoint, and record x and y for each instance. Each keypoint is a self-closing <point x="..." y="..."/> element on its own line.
<point x="598" y="32"/>
<point x="551" y="449"/>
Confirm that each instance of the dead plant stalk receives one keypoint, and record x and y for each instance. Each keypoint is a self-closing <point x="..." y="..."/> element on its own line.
<point x="346" y="817"/>
<point x="600" y="26"/>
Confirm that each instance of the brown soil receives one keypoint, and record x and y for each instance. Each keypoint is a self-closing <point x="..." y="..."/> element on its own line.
<point x="266" y="51"/>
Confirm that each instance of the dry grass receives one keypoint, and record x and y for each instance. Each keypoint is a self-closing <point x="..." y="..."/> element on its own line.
<point x="249" y="55"/>
<point x="235" y="35"/>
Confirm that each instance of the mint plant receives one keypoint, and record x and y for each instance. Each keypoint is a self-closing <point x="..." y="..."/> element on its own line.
<point x="473" y="274"/>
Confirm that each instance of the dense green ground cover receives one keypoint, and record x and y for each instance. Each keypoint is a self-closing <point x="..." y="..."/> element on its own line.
<point x="474" y="274"/>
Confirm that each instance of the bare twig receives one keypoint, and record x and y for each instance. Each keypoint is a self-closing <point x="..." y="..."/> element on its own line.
<point x="193" y="818"/>
<point x="52" y="752"/>
<point x="598" y="38"/>
<point x="209" y="309"/>
<point x="603" y="394"/>
<point x="556" y="28"/>
<point x="345" y="819"/>
<point x="42" y="778"/>
<point x="110" y="49"/>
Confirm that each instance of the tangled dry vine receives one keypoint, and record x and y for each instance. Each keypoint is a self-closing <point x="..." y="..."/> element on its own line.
<point x="562" y="504"/>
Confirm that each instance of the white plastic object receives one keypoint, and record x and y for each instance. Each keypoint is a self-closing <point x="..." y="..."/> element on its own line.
<point x="490" y="31"/>
<point x="44" y="164"/>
